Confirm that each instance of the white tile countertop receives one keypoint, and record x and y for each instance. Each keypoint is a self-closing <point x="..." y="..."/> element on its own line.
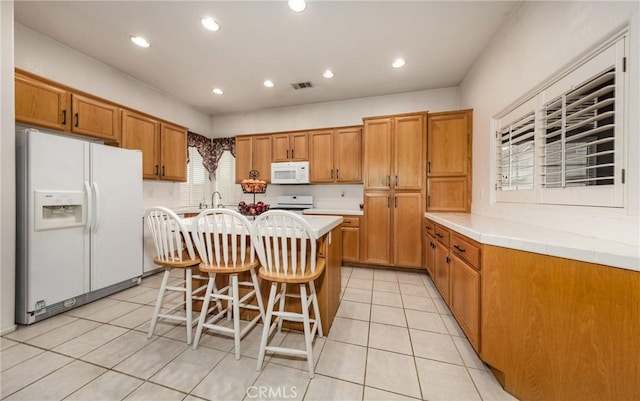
<point x="524" y="237"/>
<point x="343" y="212"/>
<point x="320" y="225"/>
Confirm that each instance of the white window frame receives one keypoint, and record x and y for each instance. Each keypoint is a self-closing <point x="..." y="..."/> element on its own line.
<point x="611" y="53"/>
<point x="194" y="190"/>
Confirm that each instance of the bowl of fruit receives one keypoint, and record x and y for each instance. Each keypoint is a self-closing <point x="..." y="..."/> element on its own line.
<point x="252" y="209"/>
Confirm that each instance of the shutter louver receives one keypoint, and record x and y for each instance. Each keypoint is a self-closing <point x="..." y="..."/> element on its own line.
<point x="516" y="150"/>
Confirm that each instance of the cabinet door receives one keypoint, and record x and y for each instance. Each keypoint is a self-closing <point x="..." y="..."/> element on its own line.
<point x="299" y="144"/>
<point x="95" y="118"/>
<point x="465" y="298"/>
<point x="281" y="150"/>
<point x="408" y="152"/>
<point x="449" y="143"/>
<point x="261" y="153"/>
<point x="348" y="155"/>
<point x="448" y="194"/>
<point x="173" y="153"/>
<point x="377" y="154"/>
<point x="350" y="244"/>
<point x="377" y="228"/>
<point x="322" y="156"/>
<point x="407" y="229"/>
<point x="41" y="104"/>
<point x="143" y="133"/>
<point x="243" y="158"/>
<point x="430" y="255"/>
<point x="442" y="270"/>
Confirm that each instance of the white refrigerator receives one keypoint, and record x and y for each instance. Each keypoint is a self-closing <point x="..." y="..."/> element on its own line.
<point x="79" y="231"/>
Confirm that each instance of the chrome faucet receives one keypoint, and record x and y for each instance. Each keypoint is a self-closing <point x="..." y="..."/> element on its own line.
<point x="213" y="199"/>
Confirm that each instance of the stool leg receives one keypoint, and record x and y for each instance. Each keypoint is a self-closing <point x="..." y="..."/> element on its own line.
<point x="188" y="299"/>
<point x="267" y="325"/>
<point x="236" y="314"/>
<point x="308" y="340"/>
<point x="256" y="287"/>
<point x="283" y="297"/>
<point x="316" y="309"/>
<point x="203" y="311"/>
<point x="156" y="310"/>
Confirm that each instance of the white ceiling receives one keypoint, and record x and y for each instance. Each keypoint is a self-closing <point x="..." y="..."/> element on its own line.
<point x="261" y="40"/>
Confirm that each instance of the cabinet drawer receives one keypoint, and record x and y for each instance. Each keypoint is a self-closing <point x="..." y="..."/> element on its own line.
<point x="466" y="249"/>
<point x="350" y="221"/>
<point x="430" y="227"/>
<point x="442" y="235"/>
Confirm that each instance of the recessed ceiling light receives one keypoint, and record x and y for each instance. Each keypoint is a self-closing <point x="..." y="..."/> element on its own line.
<point x="217" y="91"/>
<point x="268" y="83"/>
<point x="398" y="63"/>
<point x="328" y="74"/>
<point x="297" y="5"/>
<point x="210" y="24"/>
<point x="140" y="41"/>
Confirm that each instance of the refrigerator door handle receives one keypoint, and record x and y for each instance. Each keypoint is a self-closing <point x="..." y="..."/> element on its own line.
<point x="89" y="204"/>
<point x="96" y="209"/>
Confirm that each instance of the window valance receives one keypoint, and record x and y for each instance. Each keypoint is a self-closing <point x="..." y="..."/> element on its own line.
<point x="211" y="150"/>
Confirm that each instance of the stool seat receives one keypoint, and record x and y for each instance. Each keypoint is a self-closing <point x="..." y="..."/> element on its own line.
<point x="299" y="278"/>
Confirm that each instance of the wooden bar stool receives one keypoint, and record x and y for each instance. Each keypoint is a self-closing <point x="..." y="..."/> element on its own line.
<point x="174" y="250"/>
<point x="223" y="240"/>
<point x="286" y="247"/>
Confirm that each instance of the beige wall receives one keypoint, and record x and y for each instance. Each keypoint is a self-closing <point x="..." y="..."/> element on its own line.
<point x="7" y="172"/>
<point x="539" y="39"/>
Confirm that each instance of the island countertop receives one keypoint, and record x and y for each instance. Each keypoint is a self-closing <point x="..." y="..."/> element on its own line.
<point x="320" y="225"/>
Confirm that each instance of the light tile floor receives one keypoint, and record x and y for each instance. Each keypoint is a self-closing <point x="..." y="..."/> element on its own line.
<point x="393" y="339"/>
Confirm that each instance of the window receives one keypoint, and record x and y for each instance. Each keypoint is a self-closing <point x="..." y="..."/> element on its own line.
<point x="192" y="192"/>
<point x="225" y="180"/>
<point x="563" y="145"/>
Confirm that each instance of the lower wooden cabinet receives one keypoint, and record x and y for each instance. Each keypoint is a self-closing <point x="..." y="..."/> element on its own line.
<point x="464" y="298"/>
<point x="351" y="239"/>
<point x="453" y="261"/>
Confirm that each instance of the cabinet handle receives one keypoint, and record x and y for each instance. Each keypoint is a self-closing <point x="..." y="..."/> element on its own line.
<point x="433" y="245"/>
<point x="163" y="171"/>
<point x="292" y="156"/>
<point x="332" y="174"/>
<point x="287" y="153"/>
<point x="448" y="259"/>
<point x="428" y="228"/>
<point x="439" y="235"/>
<point x="428" y="200"/>
<point x="428" y="167"/>
<point x="396" y="184"/>
<point x="396" y="201"/>
<point x="388" y="180"/>
<point x="64" y="117"/>
<point x="77" y="118"/>
<point x="337" y="174"/>
<point x="460" y="249"/>
<point x="156" y="170"/>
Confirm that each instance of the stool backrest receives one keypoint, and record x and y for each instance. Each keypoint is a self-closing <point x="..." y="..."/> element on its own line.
<point x="170" y="236"/>
<point x="223" y="238"/>
<point x="285" y="243"/>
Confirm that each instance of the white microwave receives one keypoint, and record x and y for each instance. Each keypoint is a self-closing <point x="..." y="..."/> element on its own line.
<point x="290" y="173"/>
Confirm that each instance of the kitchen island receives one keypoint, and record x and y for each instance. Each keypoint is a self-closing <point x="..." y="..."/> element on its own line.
<point x="328" y="285"/>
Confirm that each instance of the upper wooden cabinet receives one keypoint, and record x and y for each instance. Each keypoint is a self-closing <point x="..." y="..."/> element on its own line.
<point x="253" y="153"/>
<point x="95" y="118"/>
<point x="336" y="155"/>
<point x="143" y="133"/>
<point x="393" y="152"/>
<point x="290" y="147"/>
<point x="163" y="146"/>
<point x="173" y="152"/>
<point x="449" y="161"/>
<point x="41" y="104"/>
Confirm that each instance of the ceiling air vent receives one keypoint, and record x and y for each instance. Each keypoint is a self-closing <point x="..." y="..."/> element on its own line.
<point x="302" y="85"/>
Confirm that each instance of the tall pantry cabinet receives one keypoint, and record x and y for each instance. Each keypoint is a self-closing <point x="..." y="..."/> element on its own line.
<point x="394" y="166"/>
